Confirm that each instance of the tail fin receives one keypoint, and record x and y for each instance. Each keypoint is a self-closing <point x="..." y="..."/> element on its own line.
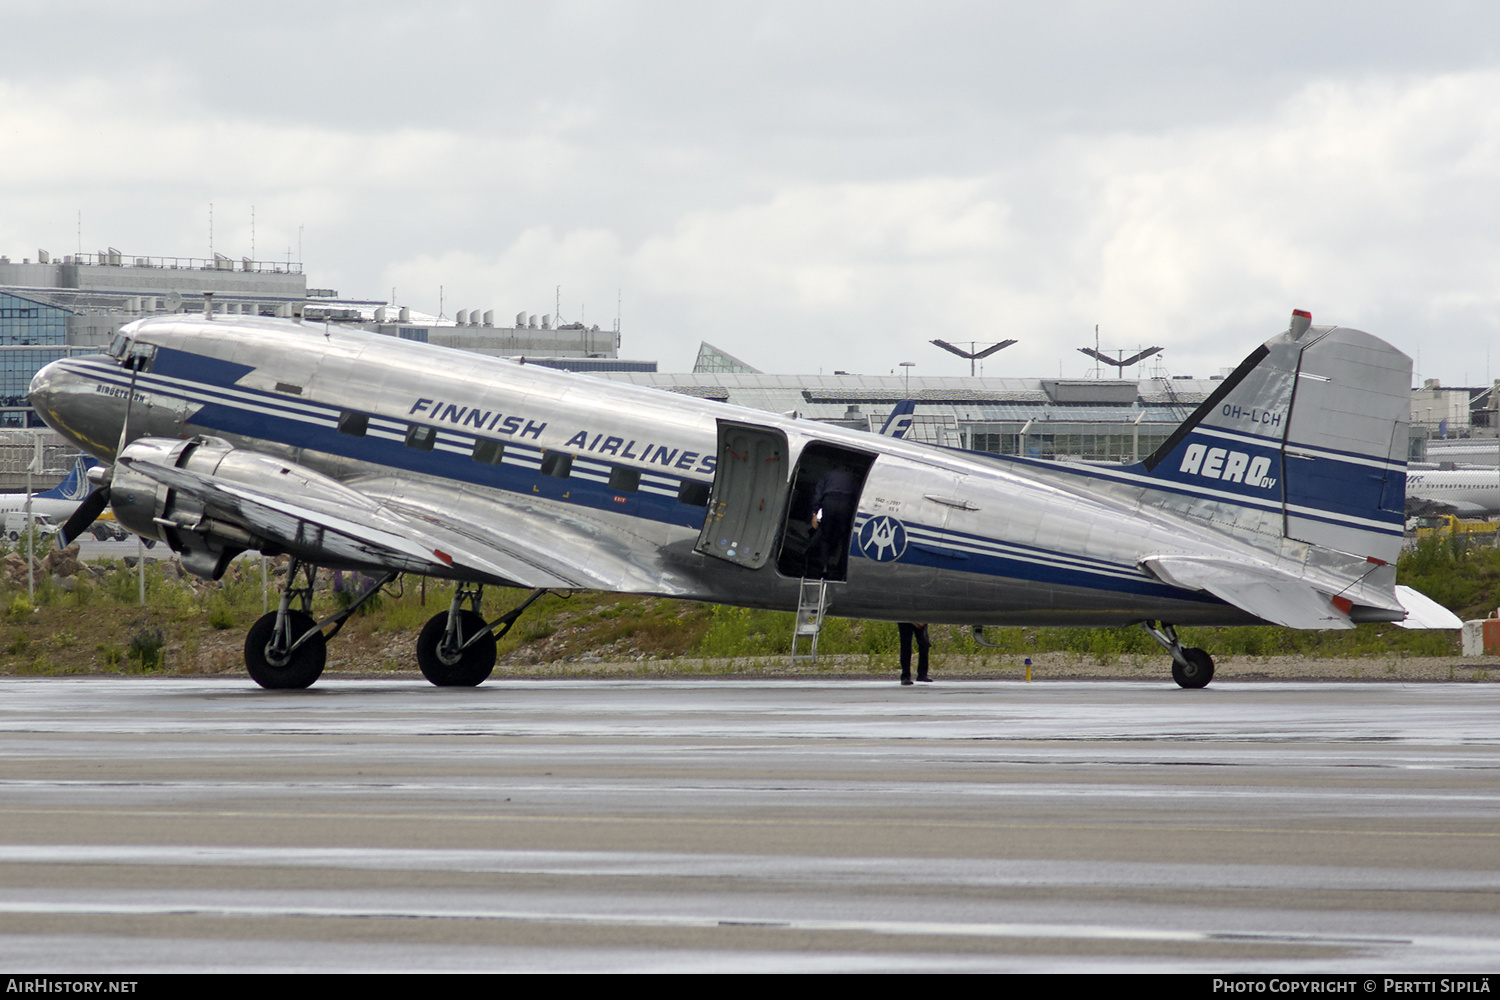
<point x="1305" y="441"/>
<point x="76" y="486"/>
<point x="899" y="422"/>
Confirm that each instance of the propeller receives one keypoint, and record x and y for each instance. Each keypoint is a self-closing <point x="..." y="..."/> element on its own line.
<point x="87" y="513"/>
<point x="93" y="505"/>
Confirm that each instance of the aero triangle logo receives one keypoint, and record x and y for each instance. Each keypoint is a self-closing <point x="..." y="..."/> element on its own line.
<point x="882" y="539"/>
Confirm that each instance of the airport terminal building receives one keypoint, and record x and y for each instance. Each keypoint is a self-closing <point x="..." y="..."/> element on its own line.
<point x="51" y="308"/>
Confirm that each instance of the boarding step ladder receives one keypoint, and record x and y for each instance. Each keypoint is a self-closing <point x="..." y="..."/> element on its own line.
<point x="812" y="601"/>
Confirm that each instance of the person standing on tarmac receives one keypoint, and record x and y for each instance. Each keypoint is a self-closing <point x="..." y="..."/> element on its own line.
<point x="918" y="631"/>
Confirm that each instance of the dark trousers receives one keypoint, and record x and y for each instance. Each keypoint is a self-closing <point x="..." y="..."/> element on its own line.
<point x="908" y="631"/>
<point x="830" y="544"/>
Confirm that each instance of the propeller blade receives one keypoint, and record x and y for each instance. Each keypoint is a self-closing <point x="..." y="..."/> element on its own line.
<point x="87" y="513"/>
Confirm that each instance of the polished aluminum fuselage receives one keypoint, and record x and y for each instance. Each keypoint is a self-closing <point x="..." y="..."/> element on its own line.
<point x="941" y="536"/>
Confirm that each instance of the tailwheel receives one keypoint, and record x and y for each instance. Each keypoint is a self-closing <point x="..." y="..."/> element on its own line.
<point x="460" y="656"/>
<point x="1191" y="667"/>
<point x="1195" y="669"/>
<point x="291" y="658"/>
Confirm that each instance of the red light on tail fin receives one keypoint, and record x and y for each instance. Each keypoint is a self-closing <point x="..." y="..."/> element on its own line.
<point x="1301" y="320"/>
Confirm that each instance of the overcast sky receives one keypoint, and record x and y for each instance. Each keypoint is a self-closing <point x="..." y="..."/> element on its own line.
<point x="806" y="185"/>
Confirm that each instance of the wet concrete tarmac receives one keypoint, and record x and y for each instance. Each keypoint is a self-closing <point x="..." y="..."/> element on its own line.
<point x="178" y="824"/>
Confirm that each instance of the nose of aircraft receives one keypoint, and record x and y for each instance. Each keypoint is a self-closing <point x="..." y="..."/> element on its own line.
<point x="43" y="391"/>
<point x="58" y="396"/>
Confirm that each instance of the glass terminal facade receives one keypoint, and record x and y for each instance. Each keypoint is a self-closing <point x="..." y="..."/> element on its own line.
<point x="32" y="335"/>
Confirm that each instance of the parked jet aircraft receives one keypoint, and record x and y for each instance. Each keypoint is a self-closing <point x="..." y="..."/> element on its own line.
<point x="52" y="507"/>
<point x="1279" y="500"/>
<point x="1462" y="492"/>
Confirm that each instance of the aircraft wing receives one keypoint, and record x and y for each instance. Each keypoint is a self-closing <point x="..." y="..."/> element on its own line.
<point x="357" y="529"/>
<point x="1263" y="591"/>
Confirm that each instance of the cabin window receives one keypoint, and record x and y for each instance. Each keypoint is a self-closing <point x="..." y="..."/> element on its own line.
<point x="354" y="424"/>
<point x="557" y="464"/>
<point x="623" y="480"/>
<point x="693" y="493"/>
<point x="421" y="437"/>
<point x="488" y="452"/>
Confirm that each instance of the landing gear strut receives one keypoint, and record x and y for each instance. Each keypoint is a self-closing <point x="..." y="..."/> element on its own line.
<point x="456" y="647"/>
<point x="287" y="648"/>
<point x="1191" y="667"/>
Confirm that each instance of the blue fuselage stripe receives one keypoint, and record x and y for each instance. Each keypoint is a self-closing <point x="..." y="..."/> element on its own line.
<point x="307" y="424"/>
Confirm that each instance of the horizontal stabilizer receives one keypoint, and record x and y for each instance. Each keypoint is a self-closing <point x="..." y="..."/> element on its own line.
<point x="1423" y="612"/>
<point x="1260" y="590"/>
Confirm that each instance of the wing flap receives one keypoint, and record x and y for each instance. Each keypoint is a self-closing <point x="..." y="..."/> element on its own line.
<point x="1261" y="590"/>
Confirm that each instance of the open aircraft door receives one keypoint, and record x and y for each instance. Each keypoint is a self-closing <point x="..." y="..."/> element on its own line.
<point x="749" y="492"/>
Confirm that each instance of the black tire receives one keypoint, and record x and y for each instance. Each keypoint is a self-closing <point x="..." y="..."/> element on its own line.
<point x="302" y="667"/>
<point x="472" y="665"/>
<point x="1199" y="670"/>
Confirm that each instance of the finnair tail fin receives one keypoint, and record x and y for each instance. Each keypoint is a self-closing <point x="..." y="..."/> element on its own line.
<point x="899" y="422"/>
<point x="1306" y="442"/>
<point x="76" y="486"/>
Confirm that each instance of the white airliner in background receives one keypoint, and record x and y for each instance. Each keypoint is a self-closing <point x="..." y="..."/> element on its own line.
<point x="1462" y="492"/>
<point x="52" y="507"/>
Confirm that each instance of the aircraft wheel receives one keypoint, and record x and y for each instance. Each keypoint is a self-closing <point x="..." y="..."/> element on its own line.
<point x="297" y="670"/>
<point x="470" y="667"/>
<point x="1199" y="670"/>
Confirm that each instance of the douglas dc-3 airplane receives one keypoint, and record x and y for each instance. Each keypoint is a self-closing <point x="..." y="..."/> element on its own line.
<point x="1279" y="500"/>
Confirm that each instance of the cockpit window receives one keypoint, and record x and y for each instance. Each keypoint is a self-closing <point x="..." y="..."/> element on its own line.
<point x="131" y="354"/>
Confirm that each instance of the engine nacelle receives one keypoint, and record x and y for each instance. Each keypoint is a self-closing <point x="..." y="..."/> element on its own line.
<point x="205" y="544"/>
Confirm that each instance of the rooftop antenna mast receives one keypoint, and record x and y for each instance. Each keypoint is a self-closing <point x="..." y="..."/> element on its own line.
<point x="973" y="353"/>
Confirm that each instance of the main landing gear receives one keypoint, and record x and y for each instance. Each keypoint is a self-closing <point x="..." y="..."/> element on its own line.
<point x="456" y="647"/>
<point x="1191" y="667"/>
<point x="287" y="648"/>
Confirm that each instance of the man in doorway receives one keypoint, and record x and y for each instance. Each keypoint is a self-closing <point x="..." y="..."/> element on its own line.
<point x="834" y="500"/>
